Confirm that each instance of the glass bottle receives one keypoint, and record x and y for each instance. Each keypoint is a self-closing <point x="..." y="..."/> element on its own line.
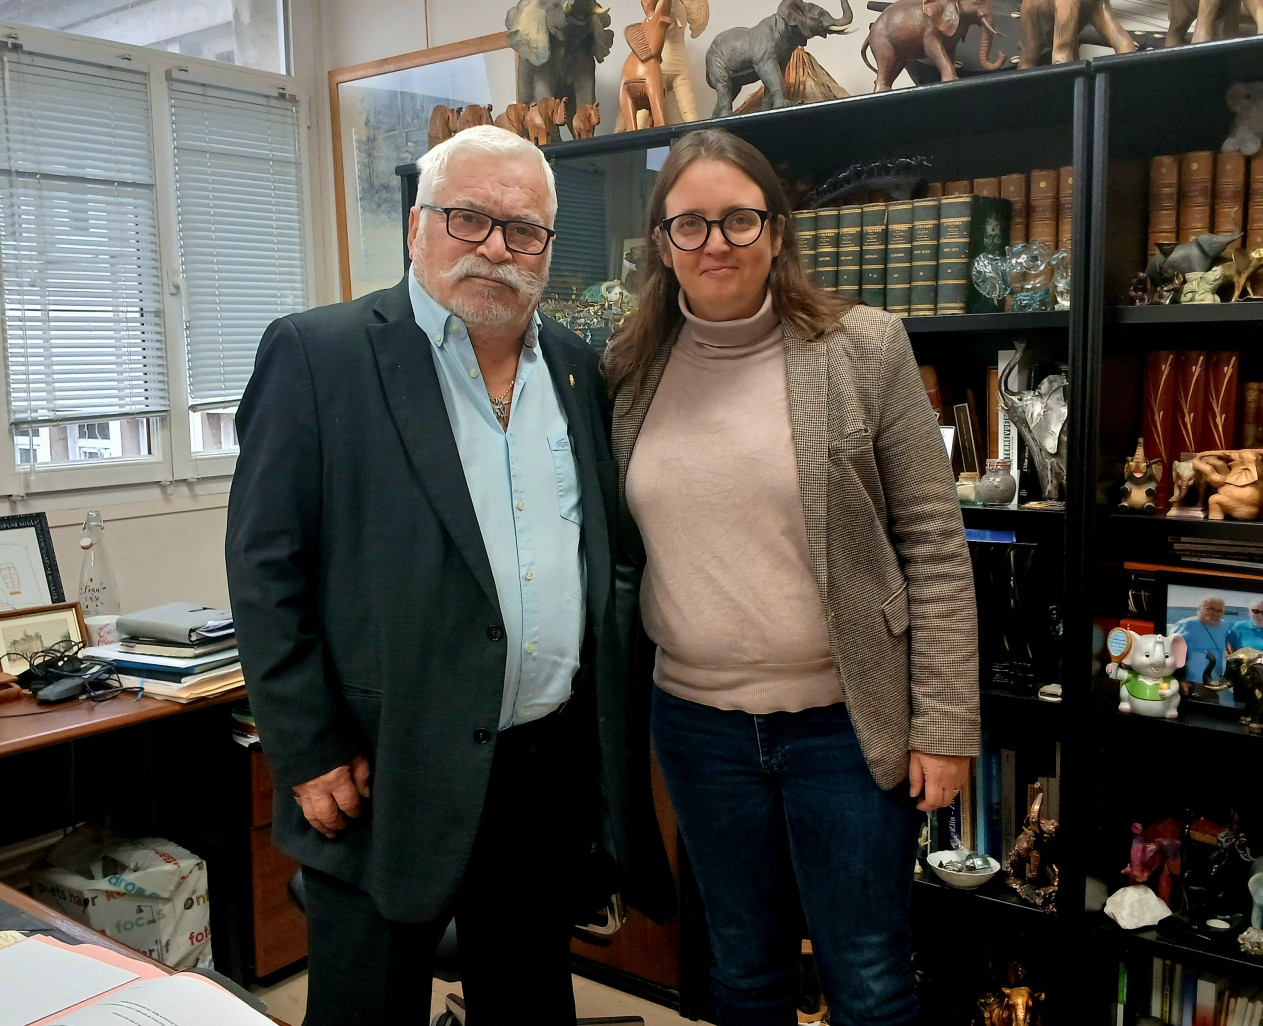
<point x="997" y="486"/>
<point x="98" y="591"/>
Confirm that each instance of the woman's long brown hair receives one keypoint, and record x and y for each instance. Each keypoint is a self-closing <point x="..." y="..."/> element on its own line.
<point x="795" y="298"/>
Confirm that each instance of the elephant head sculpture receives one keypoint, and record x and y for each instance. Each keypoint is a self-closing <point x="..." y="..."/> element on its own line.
<point x="908" y="30"/>
<point x="1057" y="24"/>
<point x="1021" y="1002"/>
<point x="559" y="44"/>
<point x="738" y="57"/>
<point x="1040" y="415"/>
<point x="1235" y="475"/>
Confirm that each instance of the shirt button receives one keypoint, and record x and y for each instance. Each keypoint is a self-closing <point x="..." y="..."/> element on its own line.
<point x="529" y="575"/>
<point x="482" y="735"/>
<point x="473" y="372"/>
<point x="494" y="632"/>
<point x="530" y="648"/>
<point x="519" y="505"/>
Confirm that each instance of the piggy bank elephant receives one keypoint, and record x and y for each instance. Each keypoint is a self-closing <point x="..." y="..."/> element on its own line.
<point x="1144" y="666"/>
<point x="739" y="57"/>
<point x="908" y="30"/>
<point x="1216" y="19"/>
<point x="1057" y="23"/>
<point x="559" y="44"/>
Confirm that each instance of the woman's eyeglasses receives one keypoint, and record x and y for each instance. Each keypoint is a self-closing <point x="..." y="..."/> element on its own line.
<point x="742" y="227"/>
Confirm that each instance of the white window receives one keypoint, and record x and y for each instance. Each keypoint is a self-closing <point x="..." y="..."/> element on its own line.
<point x="152" y="223"/>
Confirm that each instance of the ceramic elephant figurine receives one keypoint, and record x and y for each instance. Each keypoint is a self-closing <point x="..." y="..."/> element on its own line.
<point x="908" y="30"/>
<point x="1234" y="473"/>
<point x="1057" y="23"/>
<point x="443" y="123"/>
<point x="1144" y="666"/>
<point x="739" y="57"/>
<point x="1186" y="258"/>
<point x="543" y="118"/>
<point x="1140" y="482"/>
<point x="559" y="44"/>
<point x="1216" y="19"/>
<point x="1190" y="491"/>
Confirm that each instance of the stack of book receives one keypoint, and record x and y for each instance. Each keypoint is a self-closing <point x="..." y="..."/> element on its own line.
<point x="180" y="652"/>
<point x="1203" y="191"/>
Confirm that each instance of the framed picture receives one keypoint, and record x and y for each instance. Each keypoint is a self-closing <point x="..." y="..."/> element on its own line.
<point x="24" y="632"/>
<point x="380" y="114"/>
<point x="28" y="565"/>
<point x="1215" y="620"/>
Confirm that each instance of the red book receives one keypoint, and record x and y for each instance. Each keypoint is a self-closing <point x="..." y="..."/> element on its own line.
<point x="1190" y="401"/>
<point x="1221" y="399"/>
<point x="1158" y="427"/>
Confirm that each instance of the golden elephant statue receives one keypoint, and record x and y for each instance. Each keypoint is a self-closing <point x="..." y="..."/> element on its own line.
<point x="1234" y="473"/>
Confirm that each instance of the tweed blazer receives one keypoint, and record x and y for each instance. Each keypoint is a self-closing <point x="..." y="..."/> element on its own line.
<point x="884" y="531"/>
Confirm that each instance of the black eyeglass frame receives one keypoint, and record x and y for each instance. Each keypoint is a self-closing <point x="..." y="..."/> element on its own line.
<point x="717" y="222"/>
<point x="496" y="222"/>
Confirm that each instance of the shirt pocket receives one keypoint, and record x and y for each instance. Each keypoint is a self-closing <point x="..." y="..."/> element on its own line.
<point x="567" y="479"/>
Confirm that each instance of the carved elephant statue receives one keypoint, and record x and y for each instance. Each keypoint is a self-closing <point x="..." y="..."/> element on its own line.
<point x="559" y="44"/>
<point x="473" y="114"/>
<point x="1234" y="473"/>
<point x="739" y="57"/>
<point x="543" y="118"/>
<point x="908" y="30"/>
<point x="693" y="15"/>
<point x="1057" y="23"/>
<point x="641" y="86"/>
<point x="443" y="123"/>
<point x="513" y="119"/>
<point x="585" y="120"/>
<point x="1021" y="1002"/>
<point x="1216" y="19"/>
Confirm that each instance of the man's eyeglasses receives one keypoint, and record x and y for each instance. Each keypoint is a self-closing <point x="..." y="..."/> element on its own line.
<point x="474" y="226"/>
<point x="1257" y="612"/>
<point x="742" y="227"/>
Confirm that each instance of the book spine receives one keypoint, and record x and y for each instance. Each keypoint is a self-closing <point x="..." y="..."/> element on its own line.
<point x="850" y="227"/>
<point x="929" y="378"/>
<point x="899" y="257"/>
<point x="873" y="255"/>
<point x="986" y="186"/>
<point x="827" y="248"/>
<point x="1158" y="422"/>
<point x="1013" y="189"/>
<point x="1230" y="186"/>
<point x="1065" y="206"/>
<point x="1164" y="185"/>
<point x="1006" y="430"/>
<point x="993" y="410"/>
<point x="961" y="187"/>
<point x="1254" y="212"/>
<point x="1221" y="398"/>
<point x="968" y="226"/>
<point x="805" y="226"/>
<point x="1190" y="401"/>
<point x="934" y="189"/>
<point x="1008" y="800"/>
<point x="1251" y="414"/>
<point x="1197" y="185"/>
<point x="923" y="293"/>
<point x="1041" y="208"/>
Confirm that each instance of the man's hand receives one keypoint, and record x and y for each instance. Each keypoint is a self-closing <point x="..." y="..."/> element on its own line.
<point x="937" y="778"/>
<point x="326" y="799"/>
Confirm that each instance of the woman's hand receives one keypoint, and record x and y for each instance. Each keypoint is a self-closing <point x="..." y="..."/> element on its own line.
<point x="936" y="778"/>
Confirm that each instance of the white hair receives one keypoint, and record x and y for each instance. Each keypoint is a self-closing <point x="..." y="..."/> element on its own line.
<point x="490" y="141"/>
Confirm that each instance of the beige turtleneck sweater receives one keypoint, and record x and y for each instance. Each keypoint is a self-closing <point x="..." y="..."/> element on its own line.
<point x="728" y="593"/>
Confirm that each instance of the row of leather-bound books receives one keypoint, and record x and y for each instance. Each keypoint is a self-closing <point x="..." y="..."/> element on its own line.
<point x="1203" y="191"/>
<point x="913" y="257"/>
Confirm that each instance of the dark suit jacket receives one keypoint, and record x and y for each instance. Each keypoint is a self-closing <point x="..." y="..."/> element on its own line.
<point x="366" y="612"/>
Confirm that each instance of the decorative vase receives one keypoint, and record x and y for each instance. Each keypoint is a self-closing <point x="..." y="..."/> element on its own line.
<point x="997" y="486"/>
<point x="98" y="591"/>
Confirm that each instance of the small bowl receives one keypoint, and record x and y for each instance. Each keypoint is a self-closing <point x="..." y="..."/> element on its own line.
<point x="965" y="881"/>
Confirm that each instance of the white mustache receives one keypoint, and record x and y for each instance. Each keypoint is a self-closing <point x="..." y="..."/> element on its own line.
<point x="529" y="282"/>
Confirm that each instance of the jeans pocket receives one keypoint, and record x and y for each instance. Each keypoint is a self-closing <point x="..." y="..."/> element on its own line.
<point x="567" y="479"/>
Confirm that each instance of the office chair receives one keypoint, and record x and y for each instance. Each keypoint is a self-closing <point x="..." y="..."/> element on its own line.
<point x="446" y="966"/>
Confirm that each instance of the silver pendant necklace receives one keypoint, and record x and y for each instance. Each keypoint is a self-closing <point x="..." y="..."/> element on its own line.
<point x="500" y="404"/>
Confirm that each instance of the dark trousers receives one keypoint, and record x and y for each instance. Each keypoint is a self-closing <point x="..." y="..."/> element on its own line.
<point x="781" y="809"/>
<point x="512" y="910"/>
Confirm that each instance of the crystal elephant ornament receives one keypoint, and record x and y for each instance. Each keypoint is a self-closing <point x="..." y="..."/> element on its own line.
<point x="1040" y="415"/>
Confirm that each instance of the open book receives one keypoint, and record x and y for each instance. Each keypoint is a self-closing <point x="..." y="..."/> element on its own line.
<point x="48" y="983"/>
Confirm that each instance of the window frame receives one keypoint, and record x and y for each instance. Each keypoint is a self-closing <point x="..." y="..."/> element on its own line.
<point x="173" y="458"/>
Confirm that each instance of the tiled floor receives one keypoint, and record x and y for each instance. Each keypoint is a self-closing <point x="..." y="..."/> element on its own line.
<point x="288" y="1000"/>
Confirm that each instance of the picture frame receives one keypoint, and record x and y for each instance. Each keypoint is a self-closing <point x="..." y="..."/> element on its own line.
<point x="23" y="632"/>
<point x="1237" y="627"/>
<point x="29" y="577"/>
<point x="380" y="118"/>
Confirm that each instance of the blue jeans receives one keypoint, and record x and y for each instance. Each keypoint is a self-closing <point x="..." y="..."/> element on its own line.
<point x="775" y="810"/>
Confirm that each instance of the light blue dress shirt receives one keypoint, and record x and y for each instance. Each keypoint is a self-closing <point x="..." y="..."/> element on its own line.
<point x="525" y="490"/>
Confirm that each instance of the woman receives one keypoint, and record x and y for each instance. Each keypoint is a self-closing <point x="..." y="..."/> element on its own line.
<point x="807" y="583"/>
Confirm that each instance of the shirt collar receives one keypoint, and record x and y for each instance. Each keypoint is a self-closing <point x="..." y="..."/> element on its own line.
<point x="436" y="321"/>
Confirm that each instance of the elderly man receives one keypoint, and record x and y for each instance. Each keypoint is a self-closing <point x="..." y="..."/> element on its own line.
<point x="419" y="548"/>
<point x="1207" y="637"/>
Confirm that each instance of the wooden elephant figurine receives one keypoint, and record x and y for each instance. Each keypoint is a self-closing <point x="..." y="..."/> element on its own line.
<point x="1057" y="24"/>
<point x="1235" y="475"/>
<point x="642" y="86"/>
<point x="586" y="118"/>
<point x="1216" y="19"/>
<point x="544" y="118"/>
<point x="908" y="30"/>
<point x="514" y="119"/>
<point x="443" y="123"/>
<point x="473" y="114"/>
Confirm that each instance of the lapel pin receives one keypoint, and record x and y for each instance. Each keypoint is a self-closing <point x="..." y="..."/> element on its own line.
<point x="572" y="381"/>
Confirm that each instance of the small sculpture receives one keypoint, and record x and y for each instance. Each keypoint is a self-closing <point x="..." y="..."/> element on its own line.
<point x="1033" y="862"/>
<point x="1245" y="100"/>
<point x="1256" y="894"/>
<point x="1245" y="267"/>
<point x="1057" y="23"/>
<point x="559" y="44"/>
<point x="586" y="118"/>
<point x="1155" y="856"/>
<point x="1137" y="291"/>
<point x="513" y="119"/>
<point x="908" y="30"/>
<point x="1204" y="287"/>
<point x="1215" y="20"/>
<point x="1140" y="482"/>
<point x="443" y="123"/>
<point x="544" y="119"/>
<point x="1144" y="667"/>
<point x="1186" y="258"/>
<point x="1234" y="473"/>
<point x="1243" y="671"/>
<point x="642" y="87"/>
<point x="473" y="114"/>
<point x="806" y="81"/>
<point x="1190" y="491"/>
<point x="1040" y="415"/>
<point x="738" y="57"/>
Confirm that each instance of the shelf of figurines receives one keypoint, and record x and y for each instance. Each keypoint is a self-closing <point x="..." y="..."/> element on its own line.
<point x="1174" y="939"/>
<point x="996" y="894"/>
<point x="1186" y="313"/>
<point x="1209" y="712"/>
<point x="1040" y="320"/>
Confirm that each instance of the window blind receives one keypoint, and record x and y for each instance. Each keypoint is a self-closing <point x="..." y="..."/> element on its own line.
<point x="78" y="242"/>
<point x="242" y="256"/>
<point x="580" y="256"/>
